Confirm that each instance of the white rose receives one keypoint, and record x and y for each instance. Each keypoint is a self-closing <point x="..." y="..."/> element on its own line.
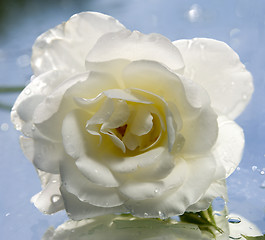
<point x="119" y="121"/>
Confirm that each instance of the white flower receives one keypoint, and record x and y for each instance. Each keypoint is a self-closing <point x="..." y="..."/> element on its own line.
<point x="119" y="121"/>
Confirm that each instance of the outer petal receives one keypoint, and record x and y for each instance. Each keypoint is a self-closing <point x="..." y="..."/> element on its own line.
<point x="51" y="112"/>
<point x="32" y="95"/>
<point x="229" y="145"/>
<point x="135" y="46"/>
<point x="140" y="190"/>
<point x="76" y="183"/>
<point x="78" y="210"/>
<point x="215" y="66"/>
<point x="43" y="153"/>
<point x="216" y="189"/>
<point x="174" y="202"/>
<point x="49" y="200"/>
<point x="65" y="46"/>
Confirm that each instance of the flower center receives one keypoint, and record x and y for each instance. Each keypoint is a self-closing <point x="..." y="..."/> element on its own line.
<point x="121" y="130"/>
<point x="132" y="119"/>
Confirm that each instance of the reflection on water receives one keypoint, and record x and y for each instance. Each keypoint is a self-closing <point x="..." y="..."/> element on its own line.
<point x="132" y="228"/>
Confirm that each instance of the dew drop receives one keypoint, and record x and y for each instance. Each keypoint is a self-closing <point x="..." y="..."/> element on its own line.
<point x="244" y="96"/>
<point x="4" y="127"/>
<point x="156" y="190"/>
<point x="238" y="168"/>
<point x="23" y="60"/>
<point x="145" y="214"/>
<point x="18" y="127"/>
<point x="55" y="198"/>
<point x="194" y="13"/>
<point x="234" y="220"/>
<point x="7" y="214"/>
<point x="27" y="91"/>
<point x="262" y="172"/>
<point x="254" y="168"/>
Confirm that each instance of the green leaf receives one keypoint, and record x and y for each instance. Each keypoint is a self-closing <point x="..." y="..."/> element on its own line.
<point x="255" y="238"/>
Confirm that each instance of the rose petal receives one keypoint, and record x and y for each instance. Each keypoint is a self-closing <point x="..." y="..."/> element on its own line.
<point x="216" y="189"/>
<point x="82" y="146"/>
<point x="117" y="142"/>
<point x="200" y="132"/>
<point x="76" y="183"/>
<point x="126" y="95"/>
<point x="78" y="210"/>
<point x="141" y="190"/>
<point x="160" y="168"/>
<point x="65" y="46"/>
<point x="119" y="116"/>
<point x="135" y="46"/>
<point x="142" y="121"/>
<point x="229" y="145"/>
<point x="43" y="153"/>
<point x="49" y="200"/>
<point x="156" y="79"/>
<point x="32" y="96"/>
<point x="215" y="66"/>
<point x="103" y="114"/>
<point x="129" y="164"/>
<point x="51" y="112"/>
<point x="196" y="183"/>
<point x="131" y="141"/>
<point x="85" y="85"/>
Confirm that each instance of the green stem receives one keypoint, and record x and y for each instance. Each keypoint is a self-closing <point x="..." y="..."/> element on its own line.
<point x="11" y="89"/>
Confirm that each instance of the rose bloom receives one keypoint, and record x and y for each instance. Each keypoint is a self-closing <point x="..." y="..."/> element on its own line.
<point x="118" y="121"/>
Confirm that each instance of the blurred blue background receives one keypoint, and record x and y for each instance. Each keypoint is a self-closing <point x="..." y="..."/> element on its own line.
<point x="240" y="23"/>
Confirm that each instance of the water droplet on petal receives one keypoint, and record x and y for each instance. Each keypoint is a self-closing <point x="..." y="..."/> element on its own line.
<point x="254" y="168"/>
<point x="27" y="91"/>
<point x="156" y="190"/>
<point x="244" y="96"/>
<point x="55" y="198"/>
<point x="7" y="214"/>
<point x="234" y="220"/>
<point x="145" y="214"/>
<point x="262" y="172"/>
